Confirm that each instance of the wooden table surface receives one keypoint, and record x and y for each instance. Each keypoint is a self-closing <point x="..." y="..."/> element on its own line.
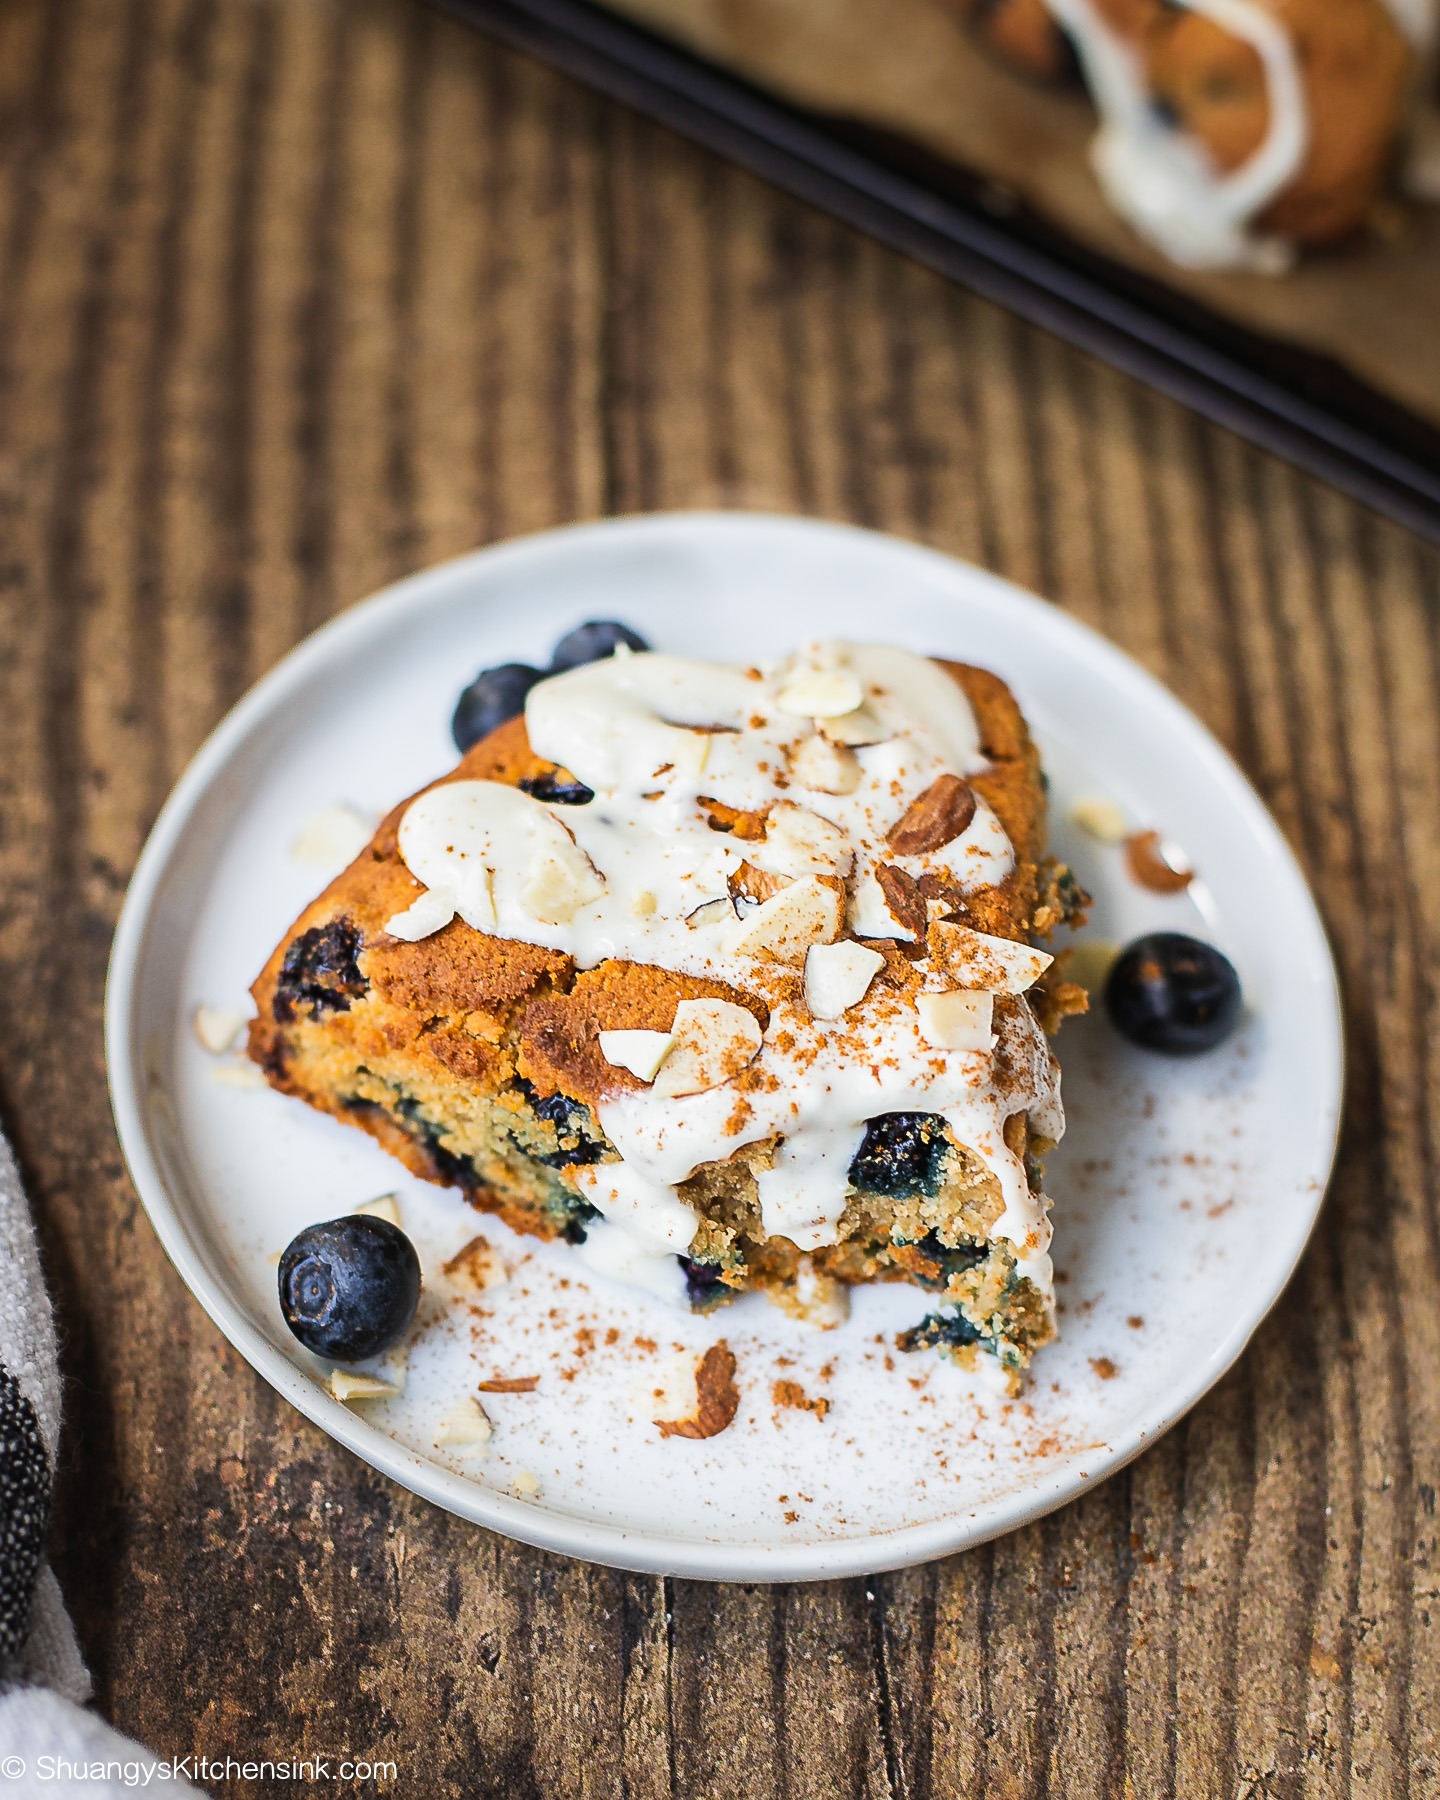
<point x="296" y="296"/>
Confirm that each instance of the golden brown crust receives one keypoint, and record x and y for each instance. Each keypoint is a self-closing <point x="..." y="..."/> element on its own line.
<point x="560" y="1033"/>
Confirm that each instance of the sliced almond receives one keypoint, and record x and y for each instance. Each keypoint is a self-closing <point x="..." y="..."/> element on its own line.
<point x="384" y="1206"/>
<point x="752" y="883"/>
<point x="801" y="842"/>
<point x="332" y="837"/>
<point x="474" y="1267"/>
<point x="825" y="767"/>
<point x="350" y="1384"/>
<point x="643" y="904"/>
<point x="1101" y="818"/>
<point x="959" y="1020"/>
<point x="1145" y="858"/>
<point x="713" y="1041"/>
<point x="558" y="886"/>
<point x="236" y="1072"/>
<point x="465" y="1426"/>
<point x="978" y="960"/>
<point x="856" y="728"/>
<point x="903" y="899"/>
<point x="733" y="820"/>
<point x="808" y="911"/>
<point x="838" y="976"/>
<point x="526" y="1484"/>
<point x="717" y="1399"/>
<point x="217" y="1028"/>
<point x="934" y="818"/>
<point x="713" y="912"/>
<point x="639" y="1052"/>
<point x="430" y="912"/>
<point x="822" y="694"/>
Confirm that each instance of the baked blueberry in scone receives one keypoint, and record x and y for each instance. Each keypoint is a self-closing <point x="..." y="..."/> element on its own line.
<point x="723" y="974"/>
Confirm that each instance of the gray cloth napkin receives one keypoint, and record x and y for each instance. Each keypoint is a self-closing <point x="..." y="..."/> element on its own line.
<point x="50" y="1743"/>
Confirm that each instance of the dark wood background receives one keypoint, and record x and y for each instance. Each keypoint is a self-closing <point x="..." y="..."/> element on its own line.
<point x="296" y="296"/>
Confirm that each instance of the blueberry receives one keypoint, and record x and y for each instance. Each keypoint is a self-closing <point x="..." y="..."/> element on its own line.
<point x="555" y="792"/>
<point x="349" y="1288"/>
<point x="705" y="1286"/>
<point x="321" y="972"/>
<point x="939" y="1330"/>
<point x="494" y="696"/>
<point x="1172" y="993"/>
<point x="592" y="642"/>
<point x="901" y="1155"/>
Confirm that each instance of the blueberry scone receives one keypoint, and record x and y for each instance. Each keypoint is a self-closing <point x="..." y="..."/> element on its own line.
<point x="1232" y="130"/>
<point x="723" y="974"/>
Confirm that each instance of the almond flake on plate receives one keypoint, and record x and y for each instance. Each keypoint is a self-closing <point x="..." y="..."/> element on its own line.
<point x="349" y="1385"/>
<point x="383" y="1206"/>
<point x="465" y="1426"/>
<point x="333" y="837"/>
<point x="237" y="1073"/>
<point x="1101" y="818"/>
<point x="1155" y="865"/>
<point x="717" y="1399"/>
<point x="475" y="1266"/>
<point x="959" y="1020"/>
<point x="217" y="1028"/>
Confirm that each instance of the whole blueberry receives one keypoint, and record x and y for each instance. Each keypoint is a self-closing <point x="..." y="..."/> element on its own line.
<point x="494" y="696"/>
<point x="1171" y="992"/>
<point x="592" y="642"/>
<point x="349" y="1288"/>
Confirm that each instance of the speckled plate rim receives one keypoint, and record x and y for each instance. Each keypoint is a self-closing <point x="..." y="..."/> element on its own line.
<point x="371" y="621"/>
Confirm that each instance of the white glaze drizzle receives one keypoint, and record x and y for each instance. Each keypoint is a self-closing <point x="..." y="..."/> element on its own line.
<point x="1417" y="20"/>
<point x="1162" y="181"/>
<point x="652" y="735"/>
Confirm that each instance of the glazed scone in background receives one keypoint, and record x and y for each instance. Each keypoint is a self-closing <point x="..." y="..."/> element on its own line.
<point x="916" y="68"/>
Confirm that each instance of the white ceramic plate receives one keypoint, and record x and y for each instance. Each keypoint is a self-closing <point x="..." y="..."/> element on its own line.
<point x="1184" y="1191"/>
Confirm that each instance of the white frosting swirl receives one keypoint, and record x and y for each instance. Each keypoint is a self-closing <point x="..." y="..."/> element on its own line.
<point x="1161" y="180"/>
